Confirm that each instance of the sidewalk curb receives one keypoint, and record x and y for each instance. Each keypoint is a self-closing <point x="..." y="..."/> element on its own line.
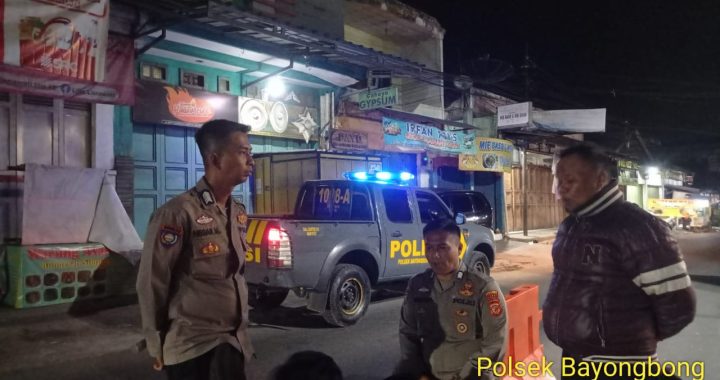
<point x="531" y="239"/>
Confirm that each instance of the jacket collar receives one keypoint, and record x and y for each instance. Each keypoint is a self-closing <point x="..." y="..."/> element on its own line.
<point x="603" y="199"/>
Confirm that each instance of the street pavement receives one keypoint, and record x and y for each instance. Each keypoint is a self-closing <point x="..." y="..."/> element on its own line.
<point x="68" y="342"/>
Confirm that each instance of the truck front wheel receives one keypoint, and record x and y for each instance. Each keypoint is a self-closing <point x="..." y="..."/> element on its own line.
<point x="348" y="296"/>
<point x="264" y="298"/>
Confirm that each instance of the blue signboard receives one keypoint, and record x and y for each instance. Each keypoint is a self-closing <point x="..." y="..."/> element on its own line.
<point x="417" y="136"/>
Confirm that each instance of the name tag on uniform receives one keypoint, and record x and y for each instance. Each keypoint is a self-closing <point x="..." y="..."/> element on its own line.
<point x="463" y="301"/>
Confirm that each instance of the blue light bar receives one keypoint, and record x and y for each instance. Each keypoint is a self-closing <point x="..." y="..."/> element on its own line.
<point x="360" y="176"/>
<point x="405" y="176"/>
<point x="384" y="176"/>
<point x="401" y="178"/>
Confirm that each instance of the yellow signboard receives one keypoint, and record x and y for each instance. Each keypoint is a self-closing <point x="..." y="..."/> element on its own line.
<point x="671" y="207"/>
<point x="493" y="155"/>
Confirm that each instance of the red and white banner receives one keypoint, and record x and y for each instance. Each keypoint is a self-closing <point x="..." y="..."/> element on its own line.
<point x="62" y="37"/>
<point x="118" y="87"/>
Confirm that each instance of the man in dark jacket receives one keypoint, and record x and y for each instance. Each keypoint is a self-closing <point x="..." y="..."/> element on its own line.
<point x="619" y="284"/>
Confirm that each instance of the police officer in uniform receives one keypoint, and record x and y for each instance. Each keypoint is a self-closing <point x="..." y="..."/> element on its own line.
<point x="191" y="288"/>
<point x="452" y="315"/>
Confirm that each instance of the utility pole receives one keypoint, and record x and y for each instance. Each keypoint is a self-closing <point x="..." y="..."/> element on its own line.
<point x="523" y="150"/>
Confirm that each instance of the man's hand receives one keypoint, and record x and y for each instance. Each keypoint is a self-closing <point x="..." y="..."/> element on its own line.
<point x="158" y="365"/>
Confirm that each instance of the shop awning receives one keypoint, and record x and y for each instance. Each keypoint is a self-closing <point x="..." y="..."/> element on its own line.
<point x="219" y="20"/>
<point x="379" y="113"/>
<point x="685" y="189"/>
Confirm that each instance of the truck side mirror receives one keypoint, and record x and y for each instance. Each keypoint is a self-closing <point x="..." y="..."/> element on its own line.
<point x="460" y="219"/>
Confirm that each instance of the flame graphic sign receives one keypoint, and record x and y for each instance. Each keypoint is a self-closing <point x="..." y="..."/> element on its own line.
<point x="185" y="107"/>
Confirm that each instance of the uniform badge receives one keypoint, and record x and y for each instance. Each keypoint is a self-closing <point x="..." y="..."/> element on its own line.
<point x="493" y="300"/>
<point x="467" y="289"/>
<point x="204" y="219"/>
<point x="461" y="313"/>
<point x="210" y="248"/>
<point x="242" y="219"/>
<point x="462" y="328"/>
<point x="169" y="235"/>
<point x="207" y="198"/>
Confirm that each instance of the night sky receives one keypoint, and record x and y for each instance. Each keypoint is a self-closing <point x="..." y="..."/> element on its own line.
<point x="655" y="65"/>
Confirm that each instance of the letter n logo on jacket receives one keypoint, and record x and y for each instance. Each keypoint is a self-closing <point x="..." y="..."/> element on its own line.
<point x="591" y="254"/>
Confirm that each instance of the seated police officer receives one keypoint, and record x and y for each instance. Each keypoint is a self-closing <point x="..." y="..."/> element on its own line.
<point x="452" y="314"/>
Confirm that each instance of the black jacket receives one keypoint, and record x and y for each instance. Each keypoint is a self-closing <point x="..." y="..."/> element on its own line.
<point x="619" y="284"/>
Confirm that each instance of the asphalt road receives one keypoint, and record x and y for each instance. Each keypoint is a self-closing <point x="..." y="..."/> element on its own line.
<point x="47" y="345"/>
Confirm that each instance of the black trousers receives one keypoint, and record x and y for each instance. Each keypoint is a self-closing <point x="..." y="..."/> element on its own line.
<point x="575" y="372"/>
<point x="223" y="362"/>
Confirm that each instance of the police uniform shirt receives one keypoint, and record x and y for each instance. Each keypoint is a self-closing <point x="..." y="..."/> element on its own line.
<point x="191" y="289"/>
<point x="449" y="326"/>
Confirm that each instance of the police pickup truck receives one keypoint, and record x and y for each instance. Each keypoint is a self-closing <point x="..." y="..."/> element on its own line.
<point x="345" y="237"/>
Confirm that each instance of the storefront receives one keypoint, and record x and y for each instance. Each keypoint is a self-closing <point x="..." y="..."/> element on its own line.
<point x="56" y="99"/>
<point x="631" y="181"/>
<point x="543" y="208"/>
<point x="63" y="72"/>
<point x="171" y="107"/>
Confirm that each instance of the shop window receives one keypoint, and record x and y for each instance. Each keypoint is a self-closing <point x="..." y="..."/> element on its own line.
<point x="153" y="71"/>
<point x="379" y="79"/>
<point x="38" y="127"/>
<point x="191" y="79"/>
<point x="4" y="131"/>
<point x="55" y="132"/>
<point x="223" y="85"/>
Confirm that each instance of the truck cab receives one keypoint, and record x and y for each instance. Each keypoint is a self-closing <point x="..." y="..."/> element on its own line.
<point x="346" y="237"/>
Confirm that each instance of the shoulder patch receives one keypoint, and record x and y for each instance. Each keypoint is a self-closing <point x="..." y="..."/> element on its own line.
<point x="493" y="299"/>
<point x="169" y="235"/>
<point x="242" y="219"/>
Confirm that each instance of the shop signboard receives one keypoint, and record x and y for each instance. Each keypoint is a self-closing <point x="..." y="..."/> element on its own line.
<point x="160" y="103"/>
<point x="41" y="275"/>
<point x="117" y="87"/>
<point x="348" y="140"/>
<point x="66" y="38"/>
<point x="411" y="136"/>
<point x="493" y="155"/>
<point x="381" y="97"/>
<point x="570" y="121"/>
<point x="513" y="115"/>
<point x="669" y="207"/>
<point x="290" y="118"/>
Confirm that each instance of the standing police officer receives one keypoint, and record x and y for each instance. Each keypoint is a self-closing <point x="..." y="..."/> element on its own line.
<point x="191" y="288"/>
<point x="451" y="315"/>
